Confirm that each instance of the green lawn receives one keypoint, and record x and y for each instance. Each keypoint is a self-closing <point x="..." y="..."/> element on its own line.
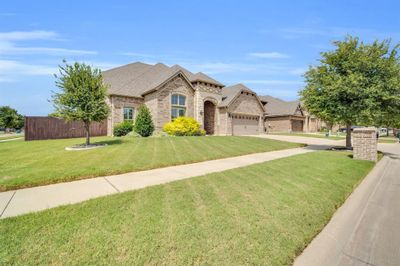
<point x="332" y="137"/>
<point x="264" y="214"/>
<point x="25" y="164"/>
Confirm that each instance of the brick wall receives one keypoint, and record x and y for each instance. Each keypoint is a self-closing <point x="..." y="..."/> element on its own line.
<point x="278" y="124"/>
<point x="365" y="144"/>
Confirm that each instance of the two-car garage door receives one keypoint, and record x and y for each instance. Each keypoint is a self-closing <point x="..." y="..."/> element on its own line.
<point x="245" y="125"/>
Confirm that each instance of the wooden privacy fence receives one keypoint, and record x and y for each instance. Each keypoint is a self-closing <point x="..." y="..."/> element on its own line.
<point x="44" y="127"/>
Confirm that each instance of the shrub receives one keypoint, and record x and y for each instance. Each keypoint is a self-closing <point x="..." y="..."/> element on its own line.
<point x="123" y="128"/>
<point x="184" y="126"/>
<point x="144" y="124"/>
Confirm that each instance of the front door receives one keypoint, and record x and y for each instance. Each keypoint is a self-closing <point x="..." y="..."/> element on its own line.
<point x="209" y="117"/>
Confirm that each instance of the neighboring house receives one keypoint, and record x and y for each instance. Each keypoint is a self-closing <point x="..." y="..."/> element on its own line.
<point x="170" y="92"/>
<point x="288" y="116"/>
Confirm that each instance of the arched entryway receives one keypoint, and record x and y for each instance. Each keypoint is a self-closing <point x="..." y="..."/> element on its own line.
<point x="209" y="117"/>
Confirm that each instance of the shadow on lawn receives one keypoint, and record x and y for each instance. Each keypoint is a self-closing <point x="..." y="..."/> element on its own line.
<point x="110" y="142"/>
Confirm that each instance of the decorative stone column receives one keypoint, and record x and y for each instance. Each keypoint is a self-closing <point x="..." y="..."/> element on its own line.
<point x="365" y="144"/>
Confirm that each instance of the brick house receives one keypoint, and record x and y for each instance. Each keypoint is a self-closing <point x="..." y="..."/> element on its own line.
<point x="170" y="92"/>
<point x="288" y="116"/>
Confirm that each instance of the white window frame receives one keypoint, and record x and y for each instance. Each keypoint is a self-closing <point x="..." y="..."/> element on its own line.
<point x="178" y="106"/>
<point x="133" y="113"/>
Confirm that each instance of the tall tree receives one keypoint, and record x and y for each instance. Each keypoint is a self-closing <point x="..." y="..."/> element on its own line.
<point x="356" y="83"/>
<point x="82" y="95"/>
<point x="9" y="118"/>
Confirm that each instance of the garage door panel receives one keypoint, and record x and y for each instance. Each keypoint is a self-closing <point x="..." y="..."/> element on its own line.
<point x="245" y="125"/>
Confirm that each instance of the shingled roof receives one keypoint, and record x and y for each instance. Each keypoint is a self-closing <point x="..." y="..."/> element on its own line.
<point x="230" y="93"/>
<point x="278" y="107"/>
<point x="137" y="79"/>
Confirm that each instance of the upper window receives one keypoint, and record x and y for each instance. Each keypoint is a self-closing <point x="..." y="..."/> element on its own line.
<point x="177" y="99"/>
<point x="178" y="103"/>
<point x="128" y="113"/>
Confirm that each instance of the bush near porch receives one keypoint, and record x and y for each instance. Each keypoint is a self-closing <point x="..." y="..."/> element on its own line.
<point x="184" y="126"/>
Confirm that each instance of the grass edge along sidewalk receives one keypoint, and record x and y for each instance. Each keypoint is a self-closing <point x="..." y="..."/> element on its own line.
<point x="265" y="213"/>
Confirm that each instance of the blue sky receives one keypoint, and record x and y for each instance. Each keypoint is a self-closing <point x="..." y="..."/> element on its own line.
<point x="267" y="45"/>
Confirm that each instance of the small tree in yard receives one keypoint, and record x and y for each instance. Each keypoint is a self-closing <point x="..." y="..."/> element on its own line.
<point x="356" y="83"/>
<point x="9" y="118"/>
<point x="82" y="96"/>
<point x="143" y="123"/>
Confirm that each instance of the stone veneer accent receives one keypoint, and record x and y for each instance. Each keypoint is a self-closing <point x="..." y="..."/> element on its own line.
<point x="117" y="104"/>
<point x="365" y="144"/>
<point x="245" y="104"/>
<point x="177" y="85"/>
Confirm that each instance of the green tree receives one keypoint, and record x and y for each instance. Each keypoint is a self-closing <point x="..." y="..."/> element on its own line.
<point x="9" y="118"/>
<point x="82" y="95"/>
<point x="143" y="123"/>
<point x="356" y="83"/>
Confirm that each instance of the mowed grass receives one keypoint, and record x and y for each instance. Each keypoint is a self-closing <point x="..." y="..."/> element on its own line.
<point x="33" y="163"/>
<point x="321" y="136"/>
<point x="264" y="214"/>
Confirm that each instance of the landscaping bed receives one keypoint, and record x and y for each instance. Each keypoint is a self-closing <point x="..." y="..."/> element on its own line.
<point x="33" y="163"/>
<point x="264" y="214"/>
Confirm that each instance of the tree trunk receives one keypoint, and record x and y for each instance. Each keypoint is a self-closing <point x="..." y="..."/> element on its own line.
<point x="348" y="135"/>
<point x="87" y="127"/>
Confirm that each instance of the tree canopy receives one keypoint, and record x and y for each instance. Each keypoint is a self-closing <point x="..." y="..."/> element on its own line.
<point x="9" y="118"/>
<point x="82" y="95"/>
<point x="356" y="83"/>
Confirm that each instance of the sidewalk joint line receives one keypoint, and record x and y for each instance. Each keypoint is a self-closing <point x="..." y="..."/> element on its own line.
<point x="111" y="184"/>
<point x="8" y="203"/>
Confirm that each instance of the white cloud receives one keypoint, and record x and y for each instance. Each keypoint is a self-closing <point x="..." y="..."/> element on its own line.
<point x="43" y="50"/>
<point x="9" y="40"/>
<point x="5" y="80"/>
<point x="27" y="35"/>
<point x="274" y="55"/>
<point x="298" y="71"/>
<point x="10" y="68"/>
<point x="274" y="82"/>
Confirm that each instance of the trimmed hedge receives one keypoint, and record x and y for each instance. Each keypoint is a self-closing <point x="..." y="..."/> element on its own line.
<point x="123" y="128"/>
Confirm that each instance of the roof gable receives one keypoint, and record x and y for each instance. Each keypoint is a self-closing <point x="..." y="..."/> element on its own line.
<point x="229" y="94"/>
<point x="274" y="106"/>
<point x="137" y="79"/>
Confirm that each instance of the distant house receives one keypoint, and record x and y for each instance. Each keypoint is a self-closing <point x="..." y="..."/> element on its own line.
<point x="170" y="92"/>
<point x="288" y="116"/>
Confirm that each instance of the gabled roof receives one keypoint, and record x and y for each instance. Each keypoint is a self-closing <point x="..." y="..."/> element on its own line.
<point x="278" y="107"/>
<point x="137" y="79"/>
<point x="229" y="94"/>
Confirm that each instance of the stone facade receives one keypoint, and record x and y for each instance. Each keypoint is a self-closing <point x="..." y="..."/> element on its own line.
<point x="117" y="104"/>
<point x="365" y="144"/>
<point x="177" y="85"/>
<point x="278" y="124"/>
<point x="245" y="104"/>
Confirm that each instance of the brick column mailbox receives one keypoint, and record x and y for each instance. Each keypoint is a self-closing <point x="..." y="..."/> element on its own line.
<point x="365" y="144"/>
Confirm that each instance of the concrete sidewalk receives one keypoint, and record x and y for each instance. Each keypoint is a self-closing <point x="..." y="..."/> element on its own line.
<point x="28" y="200"/>
<point x="305" y="140"/>
<point x="365" y="230"/>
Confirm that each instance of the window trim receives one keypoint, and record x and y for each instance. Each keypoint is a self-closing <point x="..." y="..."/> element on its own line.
<point x="133" y="113"/>
<point x="177" y="105"/>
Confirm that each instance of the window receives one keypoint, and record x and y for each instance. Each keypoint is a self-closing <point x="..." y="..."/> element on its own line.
<point x="128" y="113"/>
<point x="177" y="99"/>
<point x="178" y="106"/>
